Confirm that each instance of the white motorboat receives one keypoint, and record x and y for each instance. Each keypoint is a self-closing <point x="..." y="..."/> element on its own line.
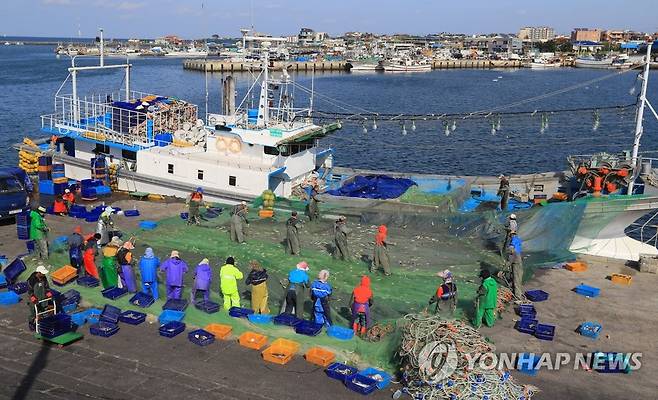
<point x="406" y="64"/>
<point x="544" y="63"/>
<point x="594" y="62"/>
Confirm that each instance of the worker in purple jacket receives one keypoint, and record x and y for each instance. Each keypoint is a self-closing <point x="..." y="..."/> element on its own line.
<point x="175" y="268"/>
<point x="202" y="280"/>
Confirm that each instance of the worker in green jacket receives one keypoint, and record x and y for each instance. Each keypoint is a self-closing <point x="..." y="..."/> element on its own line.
<point x="487" y="299"/>
<point x="229" y="276"/>
<point x="39" y="232"/>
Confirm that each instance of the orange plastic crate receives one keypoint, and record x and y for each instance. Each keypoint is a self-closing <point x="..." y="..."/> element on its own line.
<point x="219" y="330"/>
<point x="292" y="345"/>
<point x="320" y="356"/>
<point x="64" y="275"/>
<point x="621" y="279"/>
<point x="266" y="213"/>
<point x="252" y="340"/>
<point x="576" y="266"/>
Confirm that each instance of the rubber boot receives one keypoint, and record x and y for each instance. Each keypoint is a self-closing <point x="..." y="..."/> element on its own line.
<point x="355" y="328"/>
<point x="363" y="331"/>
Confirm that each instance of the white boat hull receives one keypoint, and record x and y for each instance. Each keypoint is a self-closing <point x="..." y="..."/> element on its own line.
<point x="408" y="68"/>
<point x="535" y="65"/>
<point x="599" y="64"/>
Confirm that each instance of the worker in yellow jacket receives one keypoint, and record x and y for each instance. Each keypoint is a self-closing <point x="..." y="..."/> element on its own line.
<point x="229" y="276"/>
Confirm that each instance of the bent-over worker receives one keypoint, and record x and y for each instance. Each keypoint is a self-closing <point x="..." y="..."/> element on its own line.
<point x="341" y="233"/>
<point x="292" y="234"/>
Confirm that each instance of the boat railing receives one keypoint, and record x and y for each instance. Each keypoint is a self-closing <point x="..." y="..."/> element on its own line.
<point x="96" y="117"/>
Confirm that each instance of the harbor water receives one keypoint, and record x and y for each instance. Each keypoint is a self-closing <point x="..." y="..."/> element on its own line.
<point x="30" y="76"/>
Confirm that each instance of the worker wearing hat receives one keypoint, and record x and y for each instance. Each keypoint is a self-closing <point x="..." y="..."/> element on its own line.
<point x="175" y="270"/>
<point x="341" y="233"/>
<point x="446" y="292"/>
<point x="239" y="222"/>
<point x="105" y="224"/>
<point x="296" y="289"/>
<point x="108" y="273"/>
<point x="229" y="275"/>
<point x="76" y="245"/>
<point x="126" y="263"/>
<point x="511" y="227"/>
<point x="39" y="232"/>
<point x="313" y="203"/>
<point x="194" y="202"/>
<point x="38" y="290"/>
<point x="503" y="192"/>
<point x="486" y="301"/>
<point x="69" y="198"/>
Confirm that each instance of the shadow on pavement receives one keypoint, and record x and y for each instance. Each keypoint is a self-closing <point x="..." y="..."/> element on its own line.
<point x="38" y="364"/>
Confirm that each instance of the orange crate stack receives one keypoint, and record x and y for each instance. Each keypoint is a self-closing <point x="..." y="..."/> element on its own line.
<point x="219" y="330"/>
<point x="320" y="356"/>
<point x="252" y="340"/>
<point x="621" y="279"/>
<point x="64" y="275"/>
<point x="281" y="351"/>
<point x="266" y="213"/>
<point x="576" y="266"/>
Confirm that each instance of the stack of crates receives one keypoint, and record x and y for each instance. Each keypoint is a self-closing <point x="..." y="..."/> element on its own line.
<point x="60" y="182"/>
<point x="45" y="168"/>
<point x="98" y="168"/>
<point x="23" y="225"/>
<point x="88" y="189"/>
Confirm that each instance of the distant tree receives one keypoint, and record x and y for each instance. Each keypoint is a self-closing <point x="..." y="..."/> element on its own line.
<point x="565" y="47"/>
<point x="547" y="47"/>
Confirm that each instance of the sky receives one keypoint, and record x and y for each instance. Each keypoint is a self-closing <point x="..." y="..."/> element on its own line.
<point x="202" y="18"/>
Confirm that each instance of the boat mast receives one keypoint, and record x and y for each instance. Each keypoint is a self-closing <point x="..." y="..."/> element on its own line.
<point x="102" y="47"/>
<point x="640" y="115"/>
<point x="263" y="105"/>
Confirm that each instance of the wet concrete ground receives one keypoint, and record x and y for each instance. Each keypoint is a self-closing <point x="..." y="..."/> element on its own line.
<point x="137" y="363"/>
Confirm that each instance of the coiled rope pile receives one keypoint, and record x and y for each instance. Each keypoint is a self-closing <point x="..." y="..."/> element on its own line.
<point x="435" y="356"/>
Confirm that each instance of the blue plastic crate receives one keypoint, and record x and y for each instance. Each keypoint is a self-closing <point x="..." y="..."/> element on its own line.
<point x="526" y="326"/>
<point x="361" y="384"/>
<point x="184" y="215"/>
<point x="69" y="308"/>
<point x="30" y="246"/>
<point x="260" y="318"/>
<point x="308" y="328"/>
<point x="93" y="315"/>
<point x="545" y="331"/>
<point x="70" y="296"/>
<point x="3" y="281"/>
<point x="8" y="298"/>
<point x="527" y="309"/>
<point x="239" y="312"/>
<point x="175" y="304"/>
<point x="590" y="329"/>
<point x="171" y="315"/>
<point x="536" y="295"/>
<point x="527" y="363"/>
<point x="340" y="371"/>
<point x="88" y="281"/>
<point x="171" y="329"/>
<point x="588" y="291"/>
<point x="79" y="318"/>
<point x="114" y="293"/>
<point x="131" y="213"/>
<point x="148" y="225"/>
<point x="286" y="319"/>
<point x="14" y="270"/>
<point x="110" y="314"/>
<point x="340" y="333"/>
<point x="58" y="322"/>
<point x="383" y="379"/>
<point x="142" y="300"/>
<point x="18" y="287"/>
<point x="46" y="186"/>
<point x="208" y="307"/>
<point x="22" y="232"/>
<point x="132" y="317"/>
<point x="76" y="211"/>
<point x="104" y="329"/>
<point x="201" y="337"/>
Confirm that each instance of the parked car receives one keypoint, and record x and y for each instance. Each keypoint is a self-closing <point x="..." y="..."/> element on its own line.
<point x="14" y="197"/>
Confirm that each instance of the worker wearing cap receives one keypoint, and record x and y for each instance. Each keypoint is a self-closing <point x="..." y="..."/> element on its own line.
<point x="76" y="246"/>
<point x="511" y="227"/>
<point x="292" y="234"/>
<point x="341" y="232"/>
<point x="515" y="267"/>
<point x="175" y="269"/>
<point x="298" y="282"/>
<point x="313" y="201"/>
<point x="486" y="301"/>
<point x="361" y="302"/>
<point x="194" y="202"/>
<point x="38" y="290"/>
<point x="447" y="291"/>
<point x="104" y="225"/>
<point x="503" y="192"/>
<point x="239" y="222"/>
<point x="380" y="255"/>
<point x="126" y="262"/>
<point x="69" y="199"/>
<point x="202" y="280"/>
<point x="229" y="275"/>
<point x="39" y="232"/>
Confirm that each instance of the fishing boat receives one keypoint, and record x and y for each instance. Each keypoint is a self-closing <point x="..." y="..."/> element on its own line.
<point x="365" y="66"/>
<point x="593" y="62"/>
<point x="192" y="52"/>
<point x="544" y="63"/>
<point x="406" y="64"/>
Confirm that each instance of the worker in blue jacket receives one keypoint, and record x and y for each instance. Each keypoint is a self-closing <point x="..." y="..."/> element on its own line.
<point x="296" y="290"/>
<point x="148" y="268"/>
<point x="320" y="292"/>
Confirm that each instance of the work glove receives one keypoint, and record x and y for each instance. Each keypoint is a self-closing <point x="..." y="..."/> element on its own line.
<point x="33" y="299"/>
<point x="49" y="295"/>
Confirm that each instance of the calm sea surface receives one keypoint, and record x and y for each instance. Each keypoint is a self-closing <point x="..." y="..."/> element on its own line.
<point x="30" y="76"/>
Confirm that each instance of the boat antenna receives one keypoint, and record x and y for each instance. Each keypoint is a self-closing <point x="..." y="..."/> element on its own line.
<point x="310" y="104"/>
<point x="102" y="47"/>
<point x="206" y="76"/>
<point x="640" y="114"/>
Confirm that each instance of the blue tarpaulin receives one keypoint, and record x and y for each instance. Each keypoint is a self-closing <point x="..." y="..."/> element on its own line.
<point x="374" y="187"/>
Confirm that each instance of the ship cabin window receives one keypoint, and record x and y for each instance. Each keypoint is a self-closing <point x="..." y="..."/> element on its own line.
<point x="102" y="149"/>
<point x="272" y="151"/>
<point x="199" y="174"/>
<point x="232" y="181"/>
<point x="170" y="168"/>
<point x="129" y="155"/>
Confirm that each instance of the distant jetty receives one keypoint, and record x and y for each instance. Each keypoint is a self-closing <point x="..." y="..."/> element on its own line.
<point x="237" y="66"/>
